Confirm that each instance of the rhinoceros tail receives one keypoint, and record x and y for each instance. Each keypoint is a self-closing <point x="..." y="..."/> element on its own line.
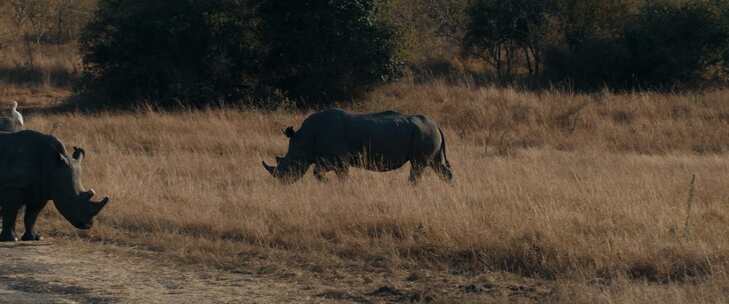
<point x="443" y="148"/>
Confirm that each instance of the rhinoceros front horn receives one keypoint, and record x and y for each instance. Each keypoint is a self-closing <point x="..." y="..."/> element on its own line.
<point x="268" y="168"/>
<point x="96" y="207"/>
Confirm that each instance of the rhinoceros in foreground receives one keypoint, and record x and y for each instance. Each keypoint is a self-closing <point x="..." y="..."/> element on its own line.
<point x="334" y="140"/>
<point x="35" y="168"/>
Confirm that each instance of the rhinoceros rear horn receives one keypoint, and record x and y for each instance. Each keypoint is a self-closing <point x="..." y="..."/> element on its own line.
<point x="279" y="159"/>
<point x="268" y="168"/>
<point x="78" y="153"/>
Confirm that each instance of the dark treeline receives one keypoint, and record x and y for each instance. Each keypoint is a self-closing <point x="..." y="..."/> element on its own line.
<point x="213" y="51"/>
<point x="616" y="43"/>
<point x="314" y="52"/>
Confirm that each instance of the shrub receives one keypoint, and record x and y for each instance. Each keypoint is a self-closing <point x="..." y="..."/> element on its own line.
<point x="498" y="30"/>
<point x="320" y="51"/>
<point x="595" y="63"/>
<point x="675" y="43"/>
<point x="593" y="43"/>
<point x="194" y="51"/>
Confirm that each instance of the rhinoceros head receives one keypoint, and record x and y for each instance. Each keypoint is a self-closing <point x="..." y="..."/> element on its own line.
<point x="68" y="194"/>
<point x="287" y="170"/>
<point x="289" y="132"/>
<point x="291" y="167"/>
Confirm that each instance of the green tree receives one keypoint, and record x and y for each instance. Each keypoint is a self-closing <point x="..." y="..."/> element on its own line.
<point x="192" y="51"/>
<point x="499" y="30"/>
<point x="672" y="43"/>
<point x="320" y="51"/>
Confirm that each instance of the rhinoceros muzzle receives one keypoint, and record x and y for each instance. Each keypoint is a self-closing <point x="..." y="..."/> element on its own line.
<point x="83" y="226"/>
<point x="96" y="206"/>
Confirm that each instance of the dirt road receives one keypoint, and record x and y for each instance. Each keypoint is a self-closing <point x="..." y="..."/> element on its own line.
<point x="45" y="272"/>
<point x="63" y="272"/>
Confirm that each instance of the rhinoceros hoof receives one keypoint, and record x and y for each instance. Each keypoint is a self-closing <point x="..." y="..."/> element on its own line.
<point x="31" y="237"/>
<point x="8" y="238"/>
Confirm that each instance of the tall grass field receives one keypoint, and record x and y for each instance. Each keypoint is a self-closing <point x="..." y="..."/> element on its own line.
<point x="591" y="195"/>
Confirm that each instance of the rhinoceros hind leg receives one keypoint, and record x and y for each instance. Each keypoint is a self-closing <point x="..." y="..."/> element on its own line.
<point x="31" y="215"/>
<point x="8" y="238"/>
<point x="31" y="237"/>
<point x="342" y="172"/>
<point x="444" y="172"/>
<point x="9" y="216"/>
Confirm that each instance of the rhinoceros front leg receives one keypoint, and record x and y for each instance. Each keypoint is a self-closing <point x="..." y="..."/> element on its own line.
<point x="416" y="169"/>
<point x="319" y="172"/>
<point x="9" y="216"/>
<point x="444" y="171"/>
<point x="31" y="215"/>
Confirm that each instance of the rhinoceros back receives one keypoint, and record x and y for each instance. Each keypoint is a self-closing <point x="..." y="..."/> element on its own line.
<point x="24" y="157"/>
<point x="385" y="139"/>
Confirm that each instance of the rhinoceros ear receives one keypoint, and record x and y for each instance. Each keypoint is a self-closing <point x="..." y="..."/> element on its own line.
<point x="78" y="153"/>
<point x="289" y="132"/>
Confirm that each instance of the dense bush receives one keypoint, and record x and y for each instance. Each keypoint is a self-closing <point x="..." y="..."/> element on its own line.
<point x="593" y="43"/>
<point x="196" y="51"/>
<point x="321" y="51"/>
<point x="200" y="52"/>
<point x="427" y="30"/>
<point x="499" y="30"/>
<point x="316" y="52"/>
<point x="671" y="43"/>
<point x="594" y="63"/>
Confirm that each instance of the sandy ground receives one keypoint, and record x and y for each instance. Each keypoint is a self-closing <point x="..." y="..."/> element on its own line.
<point x="42" y="272"/>
<point x="57" y="272"/>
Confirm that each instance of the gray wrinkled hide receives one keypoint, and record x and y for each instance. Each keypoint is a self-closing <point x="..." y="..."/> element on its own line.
<point x="35" y="168"/>
<point x="334" y="140"/>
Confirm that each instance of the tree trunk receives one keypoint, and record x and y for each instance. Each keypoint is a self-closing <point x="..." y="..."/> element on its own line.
<point x="528" y="61"/>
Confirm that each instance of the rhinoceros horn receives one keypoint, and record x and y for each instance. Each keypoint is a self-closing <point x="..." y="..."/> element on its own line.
<point x="270" y="169"/>
<point x="96" y="207"/>
<point x="279" y="159"/>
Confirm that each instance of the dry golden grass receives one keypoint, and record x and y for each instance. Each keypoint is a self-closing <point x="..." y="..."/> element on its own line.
<point x="508" y="119"/>
<point x="44" y="83"/>
<point x="585" y="192"/>
<point x="47" y="66"/>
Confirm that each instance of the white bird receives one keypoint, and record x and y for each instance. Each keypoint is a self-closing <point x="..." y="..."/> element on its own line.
<point x="16" y="115"/>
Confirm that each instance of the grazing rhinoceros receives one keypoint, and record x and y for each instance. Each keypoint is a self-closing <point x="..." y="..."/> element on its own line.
<point x="35" y="168"/>
<point x="335" y="140"/>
